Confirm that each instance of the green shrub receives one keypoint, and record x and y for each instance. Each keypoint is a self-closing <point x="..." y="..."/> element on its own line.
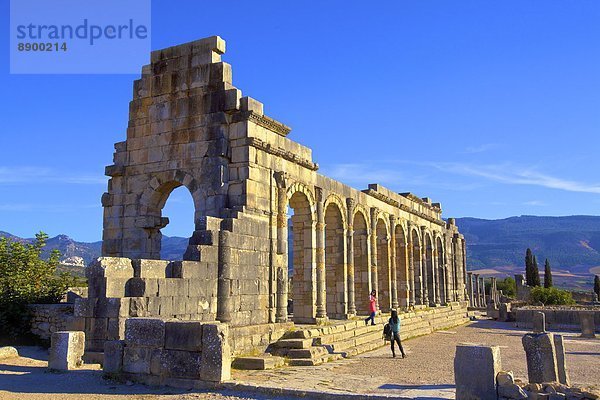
<point x="550" y="296"/>
<point x="508" y="287"/>
<point x="26" y="278"/>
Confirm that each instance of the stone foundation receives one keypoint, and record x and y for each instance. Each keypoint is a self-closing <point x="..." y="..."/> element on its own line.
<point x="558" y="318"/>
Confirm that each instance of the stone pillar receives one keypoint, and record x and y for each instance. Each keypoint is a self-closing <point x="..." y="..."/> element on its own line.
<point x="394" y="283"/>
<point x="588" y="327"/>
<point x="374" y="280"/>
<point x="66" y="350"/>
<point x="350" y="256"/>
<point x="282" y="296"/>
<point x="475" y="371"/>
<point x="412" y="287"/>
<point x="541" y="357"/>
<point x="561" y="364"/>
<point x="470" y="288"/>
<point x="282" y="218"/>
<point x="225" y="278"/>
<point x="424" y="272"/>
<point x="320" y="255"/>
<point x="482" y="292"/>
<point x="436" y="275"/>
<point x="476" y="290"/>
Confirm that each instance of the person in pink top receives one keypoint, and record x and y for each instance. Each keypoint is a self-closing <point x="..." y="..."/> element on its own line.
<point x="372" y="308"/>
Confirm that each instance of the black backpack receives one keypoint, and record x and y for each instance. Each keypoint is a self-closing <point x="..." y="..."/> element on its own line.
<point x="387" y="332"/>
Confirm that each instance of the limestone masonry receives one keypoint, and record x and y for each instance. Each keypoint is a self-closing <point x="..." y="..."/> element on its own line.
<point x="189" y="126"/>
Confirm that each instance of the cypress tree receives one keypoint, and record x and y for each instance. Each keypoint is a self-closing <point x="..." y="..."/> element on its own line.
<point x="597" y="285"/>
<point x="547" y="274"/>
<point x="528" y="267"/>
<point x="535" y="273"/>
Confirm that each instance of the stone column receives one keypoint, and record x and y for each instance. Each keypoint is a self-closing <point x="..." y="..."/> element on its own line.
<point x="437" y="278"/>
<point x="424" y="272"/>
<point x="224" y="302"/>
<point x="411" y="267"/>
<point x="394" y="283"/>
<point x="374" y="281"/>
<point x="470" y="288"/>
<point x="282" y="296"/>
<point x="320" y="255"/>
<point x="541" y="357"/>
<point x="282" y="248"/>
<point x="476" y="290"/>
<point x="350" y="257"/>
<point x="483" y="301"/>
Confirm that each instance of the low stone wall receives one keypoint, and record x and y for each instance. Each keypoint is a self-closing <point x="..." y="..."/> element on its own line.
<point x="173" y="353"/>
<point x="560" y="318"/>
<point x="254" y="339"/>
<point x="49" y="318"/>
<point x="423" y="322"/>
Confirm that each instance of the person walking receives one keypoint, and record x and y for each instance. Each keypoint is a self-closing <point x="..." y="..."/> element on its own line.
<point x="395" y="326"/>
<point x="372" y="308"/>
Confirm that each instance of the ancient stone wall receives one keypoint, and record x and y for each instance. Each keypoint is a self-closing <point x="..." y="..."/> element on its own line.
<point x="189" y="126"/>
<point x="49" y="318"/>
<point x="560" y="318"/>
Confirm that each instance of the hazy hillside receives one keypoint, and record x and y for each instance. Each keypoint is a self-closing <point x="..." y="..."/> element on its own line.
<point x="494" y="247"/>
<point x="572" y="244"/>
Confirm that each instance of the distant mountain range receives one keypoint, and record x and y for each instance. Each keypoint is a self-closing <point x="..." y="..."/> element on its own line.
<point x="494" y="247"/>
<point x="571" y="244"/>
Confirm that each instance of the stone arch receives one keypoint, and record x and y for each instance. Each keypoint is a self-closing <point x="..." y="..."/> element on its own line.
<point x="429" y="268"/>
<point x="415" y="266"/>
<point x="359" y="208"/>
<point x="442" y="275"/>
<point x="335" y="265"/>
<point x="335" y="199"/>
<point x="152" y="201"/>
<point x="362" y="255"/>
<point x="302" y="270"/>
<point x="402" y="275"/>
<point x="302" y="188"/>
<point x="383" y="264"/>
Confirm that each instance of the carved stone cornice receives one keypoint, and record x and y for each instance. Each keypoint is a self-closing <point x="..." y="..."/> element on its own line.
<point x="276" y="151"/>
<point x="264" y="121"/>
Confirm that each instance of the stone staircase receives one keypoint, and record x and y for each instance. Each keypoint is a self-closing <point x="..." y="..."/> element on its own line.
<point x="313" y="345"/>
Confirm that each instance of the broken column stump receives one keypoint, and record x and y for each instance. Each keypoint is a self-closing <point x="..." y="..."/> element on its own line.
<point x="541" y="357"/>
<point x="561" y="364"/>
<point x="66" y="350"/>
<point x="539" y="322"/>
<point x="588" y="328"/>
<point x="475" y="370"/>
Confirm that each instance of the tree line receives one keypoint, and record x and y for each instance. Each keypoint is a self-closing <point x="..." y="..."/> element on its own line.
<point x="532" y="272"/>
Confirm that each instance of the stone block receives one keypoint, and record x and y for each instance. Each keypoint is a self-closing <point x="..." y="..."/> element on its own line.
<point x="588" y="328"/>
<point x="216" y="355"/>
<point x="173" y="287"/>
<point x="84" y="307"/>
<point x="112" y="267"/>
<point x="113" y="356"/>
<point x="145" y="332"/>
<point x="539" y="322"/>
<point x="143" y="268"/>
<point x="183" y="335"/>
<point x="504" y="311"/>
<point x="475" y="370"/>
<point x="561" y="364"/>
<point x="111" y="307"/>
<point x="181" y="364"/>
<point x="541" y="357"/>
<point x="507" y="386"/>
<point x="66" y="350"/>
<point x="138" y="307"/>
<point x="188" y="269"/>
<point x="141" y="287"/>
<point x="115" y="287"/>
<point x="141" y="360"/>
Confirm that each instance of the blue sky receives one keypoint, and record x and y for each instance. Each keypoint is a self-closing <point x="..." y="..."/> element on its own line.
<point x="490" y="107"/>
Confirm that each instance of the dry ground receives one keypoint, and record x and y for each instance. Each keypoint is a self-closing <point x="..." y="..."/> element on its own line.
<point x="426" y="372"/>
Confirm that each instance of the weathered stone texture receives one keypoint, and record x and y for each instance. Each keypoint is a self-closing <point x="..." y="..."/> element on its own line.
<point x="475" y="370"/>
<point x="66" y="350"/>
<point x="541" y="357"/>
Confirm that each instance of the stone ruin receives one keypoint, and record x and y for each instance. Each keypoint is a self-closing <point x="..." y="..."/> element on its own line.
<point x="189" y="126"/>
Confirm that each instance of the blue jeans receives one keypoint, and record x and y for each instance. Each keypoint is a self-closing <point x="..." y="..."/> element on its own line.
<point x="371" y="317"/>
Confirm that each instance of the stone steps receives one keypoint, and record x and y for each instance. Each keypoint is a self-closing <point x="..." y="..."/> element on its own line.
<point x="262" y="362"/>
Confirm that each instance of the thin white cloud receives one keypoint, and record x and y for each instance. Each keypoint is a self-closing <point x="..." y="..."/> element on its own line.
<point x="535" y="203"/>
<point x="512" y="174"/>
<point x="480" y="148"/>
<point x="29" y="174"/>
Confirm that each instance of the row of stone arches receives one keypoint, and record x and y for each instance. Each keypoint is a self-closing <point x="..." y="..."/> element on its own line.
<point x="341" y="253"/>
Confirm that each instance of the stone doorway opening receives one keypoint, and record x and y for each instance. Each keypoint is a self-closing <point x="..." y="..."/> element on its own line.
<point x="179" y="214"/>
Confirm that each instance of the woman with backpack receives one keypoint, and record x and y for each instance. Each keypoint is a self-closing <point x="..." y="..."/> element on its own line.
<point x="395" y="333"/>
<point x="372" y="308"/>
